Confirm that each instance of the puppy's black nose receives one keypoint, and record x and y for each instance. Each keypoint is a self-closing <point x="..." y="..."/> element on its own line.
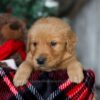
<point x="41" y="60"/>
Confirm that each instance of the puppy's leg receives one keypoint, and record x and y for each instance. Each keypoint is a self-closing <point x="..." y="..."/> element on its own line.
<point x="75" y="72"/>
<point x="22" y="74"/>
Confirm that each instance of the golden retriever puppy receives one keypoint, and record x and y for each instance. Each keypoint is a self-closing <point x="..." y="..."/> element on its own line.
<point x="50" y="46"/>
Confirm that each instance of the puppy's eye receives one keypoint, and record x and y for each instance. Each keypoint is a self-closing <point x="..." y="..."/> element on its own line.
<point x="35" y="44"/>
<point x="53" y="43"/>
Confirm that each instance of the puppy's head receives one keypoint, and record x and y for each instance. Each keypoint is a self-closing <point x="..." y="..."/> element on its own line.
<point x="50" y="41"/>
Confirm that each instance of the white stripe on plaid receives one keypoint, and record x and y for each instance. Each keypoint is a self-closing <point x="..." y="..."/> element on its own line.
<point x="54" y="94"/>
<point x="34" y="91"/>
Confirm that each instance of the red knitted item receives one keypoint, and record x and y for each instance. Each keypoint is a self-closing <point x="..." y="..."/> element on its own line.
<point x="10" y="47"/>
<point x="53" y="85"/>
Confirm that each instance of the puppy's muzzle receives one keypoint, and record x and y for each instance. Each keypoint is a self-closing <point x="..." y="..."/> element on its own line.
<point x="41" y="60"/>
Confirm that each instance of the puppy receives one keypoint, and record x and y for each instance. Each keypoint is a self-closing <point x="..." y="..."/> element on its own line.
<point x="50" y="46"/>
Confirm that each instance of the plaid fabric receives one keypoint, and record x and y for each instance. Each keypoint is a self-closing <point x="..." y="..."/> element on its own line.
<point x="46" y="86"/>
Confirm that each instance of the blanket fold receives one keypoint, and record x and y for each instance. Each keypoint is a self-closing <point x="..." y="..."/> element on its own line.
<point x="53" y="85"/>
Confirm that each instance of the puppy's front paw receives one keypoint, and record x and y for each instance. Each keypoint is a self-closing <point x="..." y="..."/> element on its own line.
<point x="19" y="80"/>
<point x="76" y="76"/>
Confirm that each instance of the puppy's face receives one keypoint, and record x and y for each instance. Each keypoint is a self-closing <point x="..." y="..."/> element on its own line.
<point x="47" y="43"/>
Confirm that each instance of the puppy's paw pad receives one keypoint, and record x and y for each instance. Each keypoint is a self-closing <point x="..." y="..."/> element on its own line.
<point x="18" y="81"/>
<point x="76" y="77"/>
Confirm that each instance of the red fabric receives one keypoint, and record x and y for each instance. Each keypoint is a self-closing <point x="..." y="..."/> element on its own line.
<point x="10" y="47"/>
<point x="54" y="85"/>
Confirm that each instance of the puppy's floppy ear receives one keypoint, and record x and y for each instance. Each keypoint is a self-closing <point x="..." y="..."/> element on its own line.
<point x="71" y="42"/>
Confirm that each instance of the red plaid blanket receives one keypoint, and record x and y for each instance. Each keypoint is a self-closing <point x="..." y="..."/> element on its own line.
<point x="46" y="86"/>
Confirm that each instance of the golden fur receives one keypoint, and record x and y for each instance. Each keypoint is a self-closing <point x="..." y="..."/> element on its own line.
<point x="60" y="55"/>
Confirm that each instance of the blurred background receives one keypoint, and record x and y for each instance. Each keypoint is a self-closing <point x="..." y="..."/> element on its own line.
<point x="83" y="15"/>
